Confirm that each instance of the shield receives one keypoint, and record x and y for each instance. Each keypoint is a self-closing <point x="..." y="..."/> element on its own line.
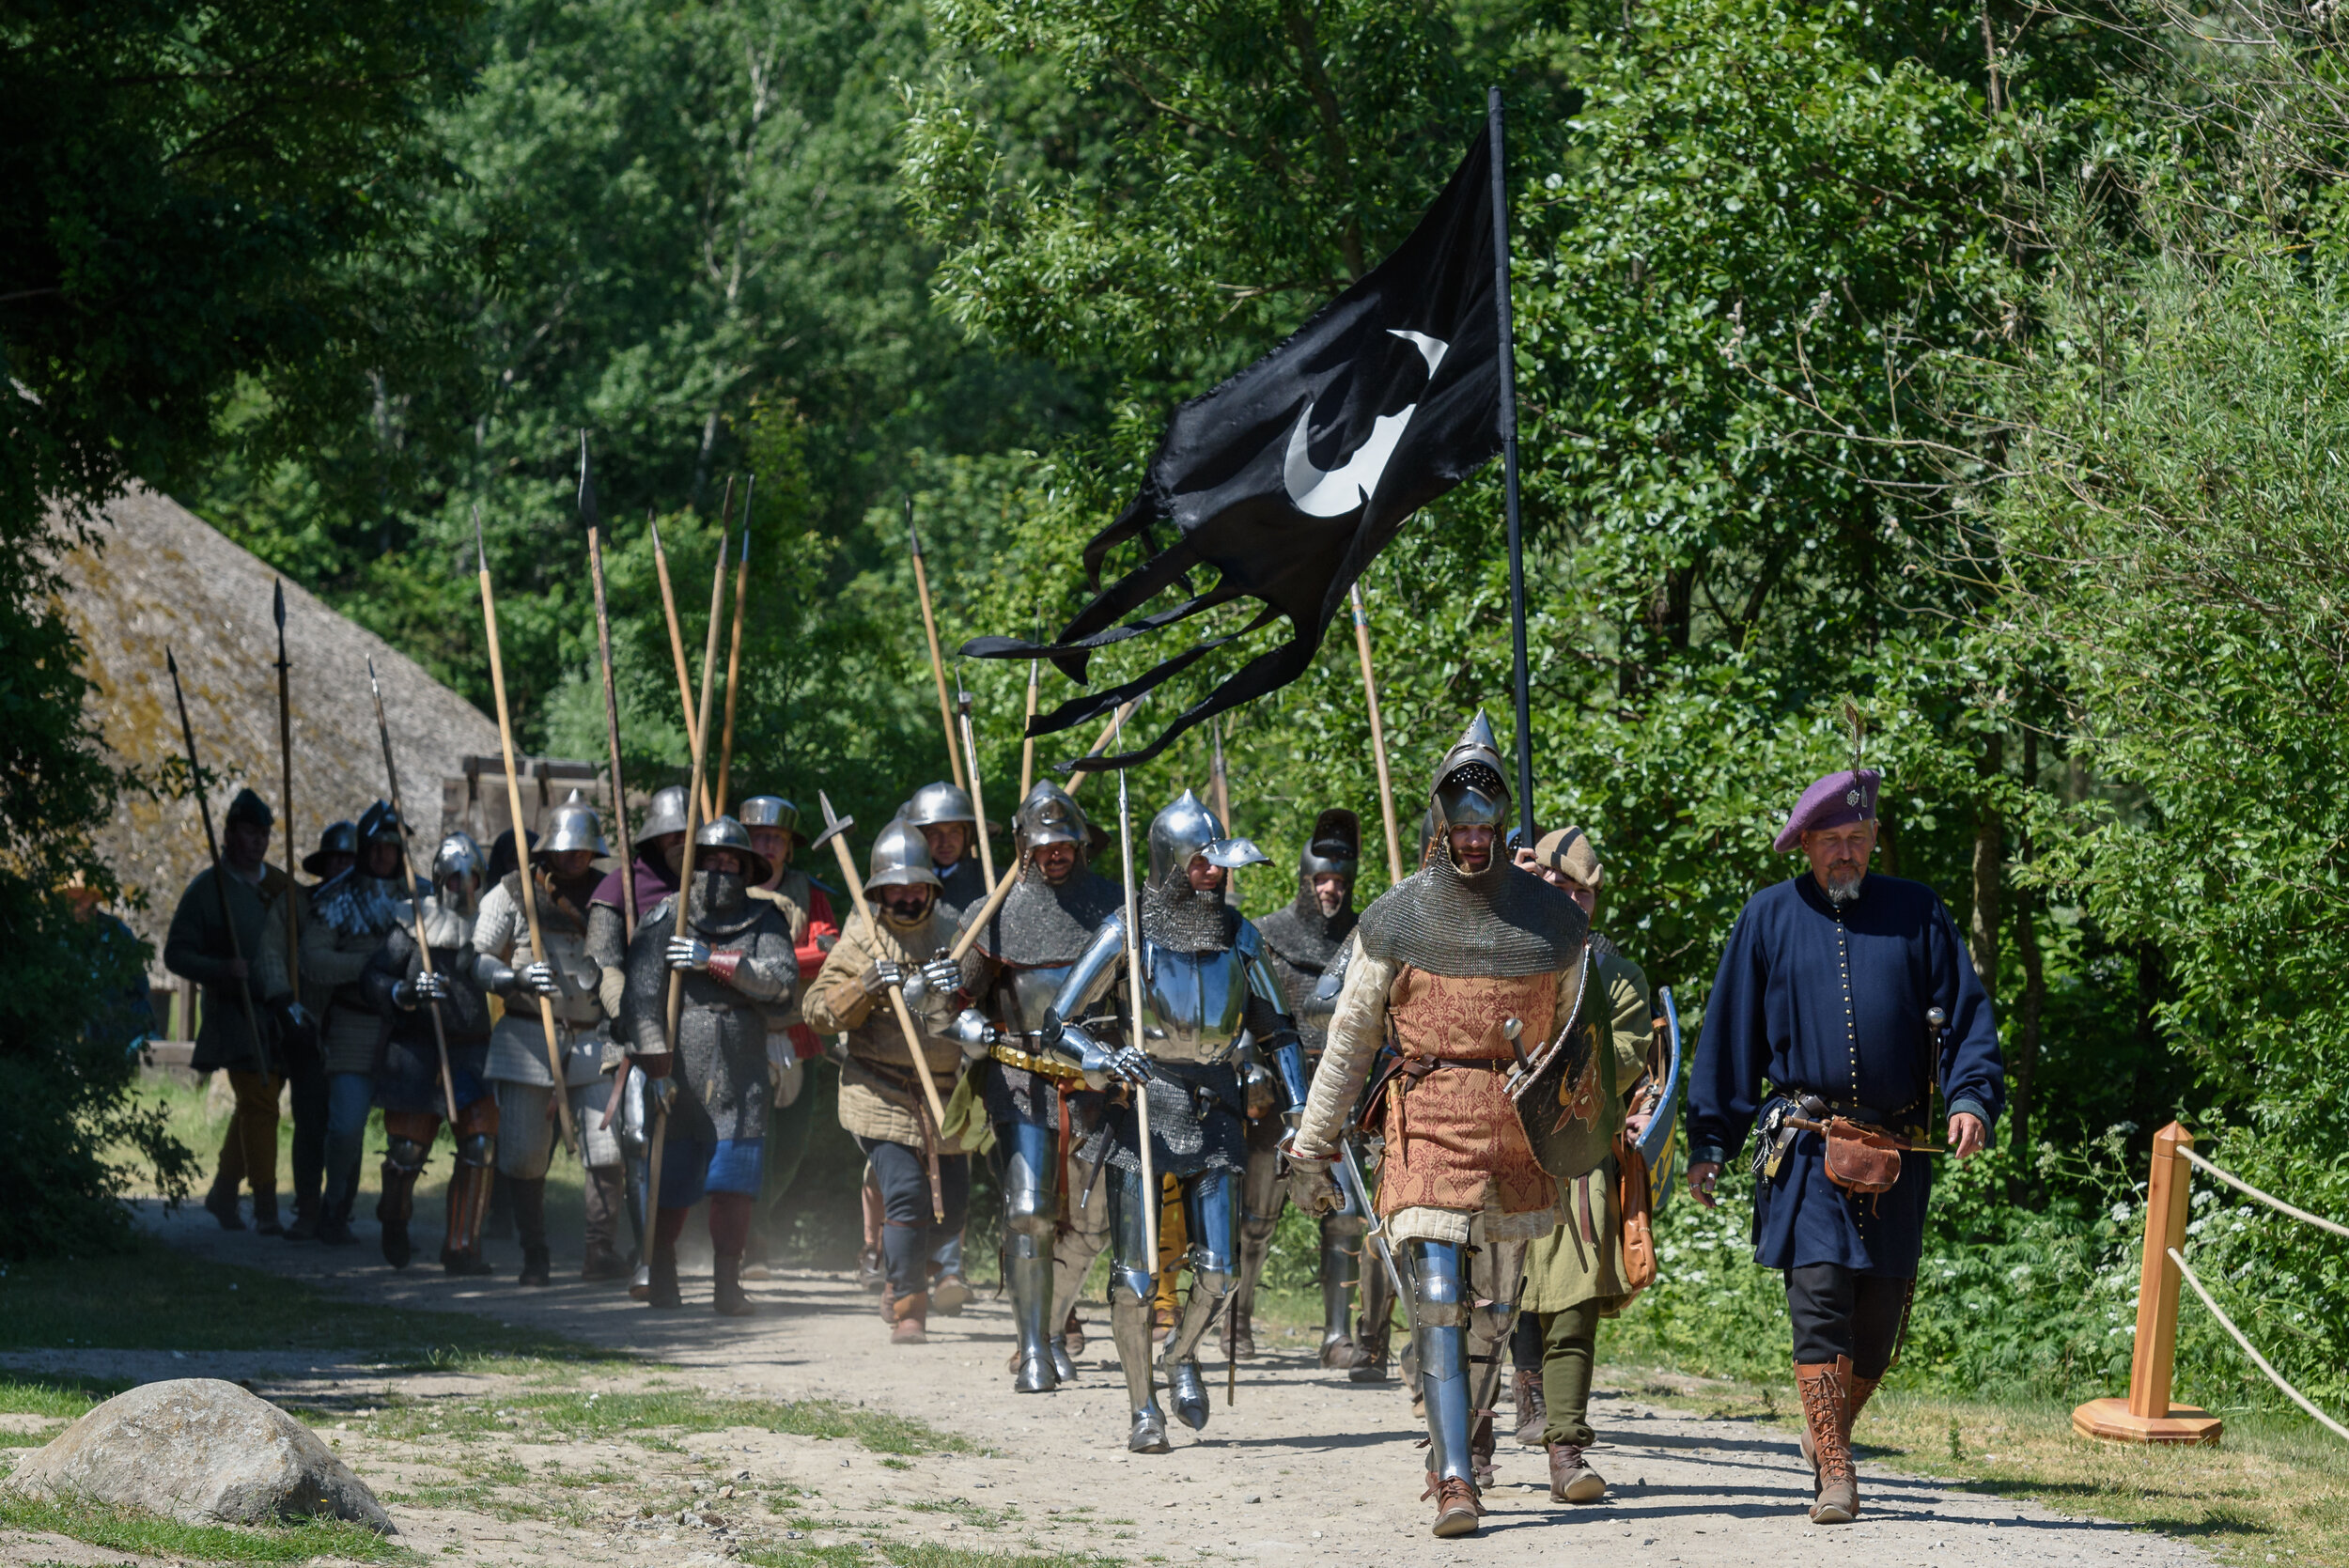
<point x="1558" y="1084"/>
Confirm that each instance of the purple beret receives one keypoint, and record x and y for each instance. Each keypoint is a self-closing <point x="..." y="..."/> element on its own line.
<point x="1849" y="796"/>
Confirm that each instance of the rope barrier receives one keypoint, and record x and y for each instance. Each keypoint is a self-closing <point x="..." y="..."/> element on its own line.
<point x="2241" y="1186"/>
<point x="2257" y="1359"/>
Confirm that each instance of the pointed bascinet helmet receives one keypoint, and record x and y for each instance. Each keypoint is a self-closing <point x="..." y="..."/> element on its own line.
<point x="727" y="834"/>
<point x="1334" y="846"/>
<point x="665" y="815"/>
<point x="1187" y="827"/>
<point x="936" y="803"/>
<point x="901" y="857"/>
<point x="574" y="824"/>
<point x="1470" y="791"/>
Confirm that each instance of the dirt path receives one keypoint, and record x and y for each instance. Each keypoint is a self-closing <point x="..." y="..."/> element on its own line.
<point x="1307" y="1467"/>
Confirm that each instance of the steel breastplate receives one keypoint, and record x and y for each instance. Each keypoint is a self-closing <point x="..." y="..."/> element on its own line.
<point x="1031" y="994"/>
<point x="1193" y="1003"/>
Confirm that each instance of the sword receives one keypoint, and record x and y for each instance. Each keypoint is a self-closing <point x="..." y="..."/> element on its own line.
<point x="1350" y="1177"/>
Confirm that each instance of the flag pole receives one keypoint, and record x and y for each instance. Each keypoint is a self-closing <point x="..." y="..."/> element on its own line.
<point x="938" y="665"/>
<point x="1509" y="462"/>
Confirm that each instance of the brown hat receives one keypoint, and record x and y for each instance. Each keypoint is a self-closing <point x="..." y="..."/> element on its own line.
<point x="1569" y="849"/>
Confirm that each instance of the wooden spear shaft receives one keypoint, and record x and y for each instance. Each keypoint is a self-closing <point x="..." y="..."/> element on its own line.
<point x="1102" y="742"/>
<point x="416" y="898"/>
<point x="938" y="665"/>
<point x="677" y="644"/>
<point x="619" y="789"/>
<point x="285" y="770"/>
<point x="1377" y="738"/>
<point x="734" y="653"/>
<point x="522" y="837"/>
<point x="1026" y="743"/>
<point x="978" y="800"/>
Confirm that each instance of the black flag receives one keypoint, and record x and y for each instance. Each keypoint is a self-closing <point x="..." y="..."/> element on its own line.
<point x="1292" y="476"/>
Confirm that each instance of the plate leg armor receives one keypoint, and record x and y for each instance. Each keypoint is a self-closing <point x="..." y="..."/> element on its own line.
<point x="1439" y="1282"/>
<point x="1207" y="1215"/>
<point x="1260" y="1203"/>
<point x="1073" y="1251"/>
<point x="1495" y="1273"/>
<point x="1030" y="1209"/>
<point x="468" y="1187"/>
<point x="407" y="1141"/>
<point x="1130" y="1289"/>
<point x="1374" y="1329"/>
<point x="1340" y="1280"/>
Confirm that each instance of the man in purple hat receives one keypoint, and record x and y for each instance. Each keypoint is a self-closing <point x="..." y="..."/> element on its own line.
<point x="1843" y="1000"/>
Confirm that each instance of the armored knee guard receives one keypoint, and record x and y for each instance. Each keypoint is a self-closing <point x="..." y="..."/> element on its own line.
<point x="403" y="1161"/>
<point x="1437" y="1280"/>
<point x="1341" y="1278"/>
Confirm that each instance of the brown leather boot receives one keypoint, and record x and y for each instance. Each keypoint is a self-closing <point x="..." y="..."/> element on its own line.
<point x="1860" y="1388"/>
<point x="727" y="1297"/>
<point x="1457" y="1509"/>
<point x="1826" y="1388"/>
<point x="1481" y="1446"/>
<point x="1532" y="1414"/>
<point x="909" y="1315"/>
<point x="1571" y="1477"/>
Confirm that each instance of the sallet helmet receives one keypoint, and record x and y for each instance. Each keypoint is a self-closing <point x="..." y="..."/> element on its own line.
<point x="574" y="824"/>
<point x="379" y="824"/>
<point x="666" y="813"/>
<point x="901" y="858"/>
<point x="1334" y="846"/>
<point x="1187" y="827"/>
<point x="936" y="803"/>
<point x="729" y="834"/>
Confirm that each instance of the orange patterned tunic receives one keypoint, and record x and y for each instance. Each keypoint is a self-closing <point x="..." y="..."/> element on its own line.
<point x="1453" y="1139"/>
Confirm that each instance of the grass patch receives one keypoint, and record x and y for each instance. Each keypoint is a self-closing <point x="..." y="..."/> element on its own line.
<point x="157" y="1298"/>
<point x="122" y="1529"/>
<point x="643" y="1417"/>
<point x="968" y="1512"/>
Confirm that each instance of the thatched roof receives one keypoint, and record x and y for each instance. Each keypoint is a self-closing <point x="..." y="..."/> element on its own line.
<point x="164" y="575"/>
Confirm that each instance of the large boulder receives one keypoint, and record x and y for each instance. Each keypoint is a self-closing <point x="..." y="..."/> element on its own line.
<point x="202" y="1452"/>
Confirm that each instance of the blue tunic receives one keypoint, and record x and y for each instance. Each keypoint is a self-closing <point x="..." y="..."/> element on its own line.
<point x="1831" y="1002"/>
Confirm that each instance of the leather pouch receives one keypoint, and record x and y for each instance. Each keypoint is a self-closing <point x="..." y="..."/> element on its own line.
<point x="1861" y="1159"/>
<point x="1636" y="1202"/>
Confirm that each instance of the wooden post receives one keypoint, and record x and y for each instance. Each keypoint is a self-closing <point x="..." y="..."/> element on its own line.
<point x="2146" y="1416"/>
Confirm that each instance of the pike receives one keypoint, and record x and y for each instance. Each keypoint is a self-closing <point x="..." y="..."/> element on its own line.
<point x="612" y="732"/>
<point x="1027" y="743"/>
<point x="734" y="654"/>
<point x="938" y="665"/>
<point x="676" y="637"/>
<point x="978" y="801"/>
<point x="415" y="900"/>
<point x="522" y="834"/>
<point x="1133" y="988"/>
<point x="1101" y="743"/>
<point x="684" y="906"/>
<point x="285" y="772"/>
<point x="219" y="875"/>
<point x="1377" y="738"/>
<point x="835" y="829"/>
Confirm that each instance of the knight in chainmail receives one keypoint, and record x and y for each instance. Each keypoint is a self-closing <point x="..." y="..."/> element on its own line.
<point x="1300" y="940"/>
<point x="730" y="965"/>
<point x="1457" y="962"/>
<point x="1206" y="985"/>
<point x="1039" y="1106"/>
<point x="348" y="917"/>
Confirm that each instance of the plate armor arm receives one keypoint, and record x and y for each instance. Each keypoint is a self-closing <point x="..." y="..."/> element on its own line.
<point x="1356" y="1028"/>
<point x="1266" y="1018"/>
<point x="1088" y="978"/>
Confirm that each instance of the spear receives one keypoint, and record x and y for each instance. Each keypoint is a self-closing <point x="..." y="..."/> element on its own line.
<point x="1026" y="743"/>
<point x="1377" y="738"/>
<point x="676" y="637"/>
<point x="415" y="899"/>
<point x="612" y="732"/>
<point x="1133" y="978"/>
<point x="521" y="834"/>
<point x="835" y="829"/>
<point x="938" y="665"/>
<point x="220" y="876"/>
<point x="285" y="772"/>
<point x="978" y="801"/>
<point x="1102" y="742"/>
<point x="733" y="655"/>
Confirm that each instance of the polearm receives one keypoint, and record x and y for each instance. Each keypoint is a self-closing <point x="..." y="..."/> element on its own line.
<point x="734" y="654"/>
<point x="1102" y="742"/>
<point x="1218" y="790"/>
<point x="521" y="835"/>
<point x="612" y="732"/>
<point x="978" y="800"/>
<point x="219" y="875"/>
<point x="1133" y="988"/>
<point x="835" y="829"/>
<point x="700" y="790"/>
<point x="285" y="784"/>
<point x="1508" y="369"/>
<point x="1026" y="743"/>
<point x="1377" y="737"/>
<point x="938" y="665"/>
<point x="415" y="899"/>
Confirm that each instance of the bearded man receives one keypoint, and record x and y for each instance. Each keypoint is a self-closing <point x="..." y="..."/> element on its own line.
<point x="904" y="946"/>
<point x="1302" y="940"/>
<point x="1458" y="961"/>
<point x="1205" y="984"/>
<point x="1850" y="996"/>
<point x="1038" y="1104"/>
<point x="731" y="956"/>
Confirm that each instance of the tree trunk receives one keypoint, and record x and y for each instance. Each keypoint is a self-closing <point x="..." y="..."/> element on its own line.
<point x="1989" y="865"/>
<point x="2024" y="1065"/>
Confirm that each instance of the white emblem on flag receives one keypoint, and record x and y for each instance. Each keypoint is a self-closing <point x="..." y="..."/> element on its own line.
<point x="1333" y="492"/>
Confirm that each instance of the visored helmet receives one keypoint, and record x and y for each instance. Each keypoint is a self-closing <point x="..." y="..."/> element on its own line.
<point x="901" y="858"/>
<point x="1187" y="827"/>
<point x="574" y="824"/>
<point x="727" y="834"/>
<point x="1470" y="791"/>
<point x="458" y="863"/>
<point x="1334" y="847"/>
<point x="1050" y="815"/>
<point x="936" y="803"/>
<point x="666" y="815"/>
<point x="341" y="838"/>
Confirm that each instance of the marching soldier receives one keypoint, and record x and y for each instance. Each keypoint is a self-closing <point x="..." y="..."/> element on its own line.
<point x="198" y="947"/>
<point x="1302" y="941"/>
<point x="1205" y="984"/>
<point x="1448" y="960"/>
<point x="1038" y="1104"/>
<point x="351" y="913"/>
<point x="949" y="824"/>
<point x="563" y="871"/>
<point x="773" y="824"/>
<point x="734" y="953"/>
<point x="305" y="1072"/>
<point x="1850" y="995"/>
<point x="881" y="1103"/>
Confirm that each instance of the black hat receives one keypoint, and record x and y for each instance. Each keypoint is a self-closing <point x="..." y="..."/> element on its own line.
<point x="341" y="838"/>
<point x="250" y="808"/>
